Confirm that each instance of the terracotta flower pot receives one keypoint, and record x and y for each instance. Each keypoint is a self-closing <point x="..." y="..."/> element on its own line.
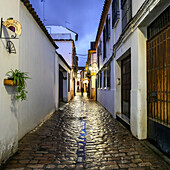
<point x="9" y="82"/>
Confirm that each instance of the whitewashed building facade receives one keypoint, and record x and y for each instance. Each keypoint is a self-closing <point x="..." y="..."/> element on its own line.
<point x="65" y="40"/>
<point x="91" y="67"/>
<point x="133" y="77"/>
<point x="35" y="54"/>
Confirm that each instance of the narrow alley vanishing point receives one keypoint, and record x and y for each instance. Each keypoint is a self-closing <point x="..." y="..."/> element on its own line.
<point x="83" y="136"/>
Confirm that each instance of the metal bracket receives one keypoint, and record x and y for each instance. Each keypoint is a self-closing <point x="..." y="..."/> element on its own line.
<point x="10" y="47"/>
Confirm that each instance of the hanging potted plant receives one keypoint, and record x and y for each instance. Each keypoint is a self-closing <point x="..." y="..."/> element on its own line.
<point x="17" y="78"/>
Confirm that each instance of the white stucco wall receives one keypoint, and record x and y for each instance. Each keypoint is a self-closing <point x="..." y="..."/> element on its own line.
<point x="136" y="41"/>
<point x="136" y="6"/>
<point x="56" y="81"/>
<point x="36" y="55"/>
<point x="65" y="49"/>
<point x="107" y="96"/>
<point x="138" y="112"/>
<point x="8" y="106"/>
<point x="60" y="30"/>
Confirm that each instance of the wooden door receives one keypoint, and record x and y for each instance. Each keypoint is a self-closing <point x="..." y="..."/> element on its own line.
<point x="60" y="86"/>
<point x="158" y="77"/>
<point x="126" y="86"/>
<point x="158" y="89"/>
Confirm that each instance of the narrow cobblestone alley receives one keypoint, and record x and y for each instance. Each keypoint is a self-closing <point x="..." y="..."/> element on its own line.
<point x="83" y="136"/>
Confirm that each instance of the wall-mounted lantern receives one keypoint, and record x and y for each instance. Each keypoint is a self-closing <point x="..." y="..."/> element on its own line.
<point x="16" y="28"/>
<point x="12" y="25"/>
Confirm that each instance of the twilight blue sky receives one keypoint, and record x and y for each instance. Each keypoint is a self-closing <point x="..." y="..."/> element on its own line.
<point x="81" y="16"/>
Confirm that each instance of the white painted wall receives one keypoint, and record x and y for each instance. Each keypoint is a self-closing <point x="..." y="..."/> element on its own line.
<point x="136" y="6"/>
<point x="65" y="49"/>
<point x="60" y="30"/>
<point x="8" y="106"/>
<point x="56" y="81"/>
<point x="107" y="96"/>
<point x="138" y="111"/>
<point x="36" y="55"/>
<point x="136" y="41"/>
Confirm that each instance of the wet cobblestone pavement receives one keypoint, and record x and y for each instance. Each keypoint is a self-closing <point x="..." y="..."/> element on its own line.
<point x="83" y="136"/>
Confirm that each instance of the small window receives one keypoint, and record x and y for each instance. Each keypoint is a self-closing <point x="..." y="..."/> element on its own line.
<point x="115" y="12"/>
<point x="104" y="43"/>
<point x="126" y="6"/>
<point x="105" y="78"/>
<point x="107" y="27"/>
<point x="108" y="75"/>
<point x="159" y="23"/>
<point x="100" y="79"/>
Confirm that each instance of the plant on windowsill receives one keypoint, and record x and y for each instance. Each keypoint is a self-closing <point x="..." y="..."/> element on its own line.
<point x="17" y="78"/>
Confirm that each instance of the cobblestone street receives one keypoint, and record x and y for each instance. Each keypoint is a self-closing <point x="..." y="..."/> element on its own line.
<point x="83" y="136"/>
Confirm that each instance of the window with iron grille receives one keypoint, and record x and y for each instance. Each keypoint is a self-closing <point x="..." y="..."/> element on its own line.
<point x="108" y="76"/>
<point x="126" y="6"/>
<point x="104" y="43"/>
<point x="160" y="22"/>
<point x="100" y="79"/>
<point x="115" y="12"/>
<point x="105" y="78"/>
<point x="107" y="27"/>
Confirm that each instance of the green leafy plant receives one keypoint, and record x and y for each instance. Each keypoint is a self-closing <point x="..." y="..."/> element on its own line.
<point x="20" y="79"/>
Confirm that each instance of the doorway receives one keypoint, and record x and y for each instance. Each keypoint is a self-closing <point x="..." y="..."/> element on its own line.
<point x="158" y="89"/>
<point x="126" y="87"/>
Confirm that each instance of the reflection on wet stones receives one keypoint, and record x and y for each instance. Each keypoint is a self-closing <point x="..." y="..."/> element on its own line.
<point x="83" y="136"/>
<point x="81" y="143"/>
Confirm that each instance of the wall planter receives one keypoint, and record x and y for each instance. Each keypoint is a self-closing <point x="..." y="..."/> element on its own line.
<point x="17" y="78"/>
<point x="9" y="82"/>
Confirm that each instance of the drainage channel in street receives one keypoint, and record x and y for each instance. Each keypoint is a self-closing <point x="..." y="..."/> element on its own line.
<point x="81" y="143"/>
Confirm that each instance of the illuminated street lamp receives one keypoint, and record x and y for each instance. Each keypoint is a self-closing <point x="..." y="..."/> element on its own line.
<point x="90" y="68"/>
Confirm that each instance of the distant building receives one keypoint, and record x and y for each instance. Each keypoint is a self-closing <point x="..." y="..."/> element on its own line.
<point x="91" y="68"/>
<point x="65" y="40"/>
<point x="84" y="80"/>
<point x="78" y="82"/>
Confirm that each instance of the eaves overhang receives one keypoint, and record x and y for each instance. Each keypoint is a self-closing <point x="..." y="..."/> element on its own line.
<point x="64" y="61"/>
<point x="76" y="36"/>
<point x="102" y="20"/>
<point x="38" y="20"/>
